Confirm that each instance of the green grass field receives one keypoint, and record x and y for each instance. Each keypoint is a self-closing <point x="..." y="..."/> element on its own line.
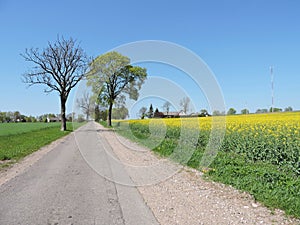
<point x="19" y="128"/>
<point x="18" y="140"/>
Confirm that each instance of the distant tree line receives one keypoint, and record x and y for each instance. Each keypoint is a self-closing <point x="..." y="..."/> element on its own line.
<point x="16" y="117"/>
<point x="151" y="113"/>
<point x="232" y="111"/>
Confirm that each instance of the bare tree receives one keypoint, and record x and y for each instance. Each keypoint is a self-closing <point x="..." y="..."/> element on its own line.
<point x="185" y="103"/>
<point x="142" y="112"/>
<point x="86" y="104"/>
<point x="166" y="107"/>
<point x="59" y="66"/>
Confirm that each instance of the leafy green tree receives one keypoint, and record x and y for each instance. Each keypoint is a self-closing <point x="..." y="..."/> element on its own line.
<point x="60" y="66"/>
<point x="41" y="118"/>
<point x="120" y="113"/>
<point x="51" y="115"/>
<point x="9" y="117"/>
<point x="231" y="111"/>
<point x="103" y="114"/>
<point x="261" y="110"/>
<point x="244" y="111"/>
<point x="17" y="116"/>
<point x="203" y="112"/>
<point x="111" y="75"/>
<point x="97" y="113"/>
<point x="288" y="109"/>
<point x="23" y="118"/>
<point x="275" y="109"/>
<point x="33" y="119"/>
<point x="2" y="116"/>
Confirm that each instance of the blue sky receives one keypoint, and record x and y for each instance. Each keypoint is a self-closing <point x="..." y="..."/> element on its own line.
<point x="238" y="40"/>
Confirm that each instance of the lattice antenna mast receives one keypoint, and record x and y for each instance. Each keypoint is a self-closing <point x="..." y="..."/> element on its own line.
<point x="272" y="86"/>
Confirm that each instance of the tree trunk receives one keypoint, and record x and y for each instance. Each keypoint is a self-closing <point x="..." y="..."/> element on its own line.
<point x="109" y="114"/>
<point x="88" y="115"/>
<point x="63" y="113"/>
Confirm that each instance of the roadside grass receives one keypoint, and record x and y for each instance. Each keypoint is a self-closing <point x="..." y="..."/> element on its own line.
<point x="273" y="186"/>
<point x="23" y="139"/>
<point x="265" y="182"/>
<point x="104" y="123"/>
<point x="75" y="125"/>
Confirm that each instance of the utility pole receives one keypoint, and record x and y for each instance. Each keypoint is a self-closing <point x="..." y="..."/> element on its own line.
<point x="272" y="87"/>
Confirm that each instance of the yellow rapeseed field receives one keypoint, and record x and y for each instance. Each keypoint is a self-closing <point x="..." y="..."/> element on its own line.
<point x="272" y="137"/>
<point x="271" y="124"/>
